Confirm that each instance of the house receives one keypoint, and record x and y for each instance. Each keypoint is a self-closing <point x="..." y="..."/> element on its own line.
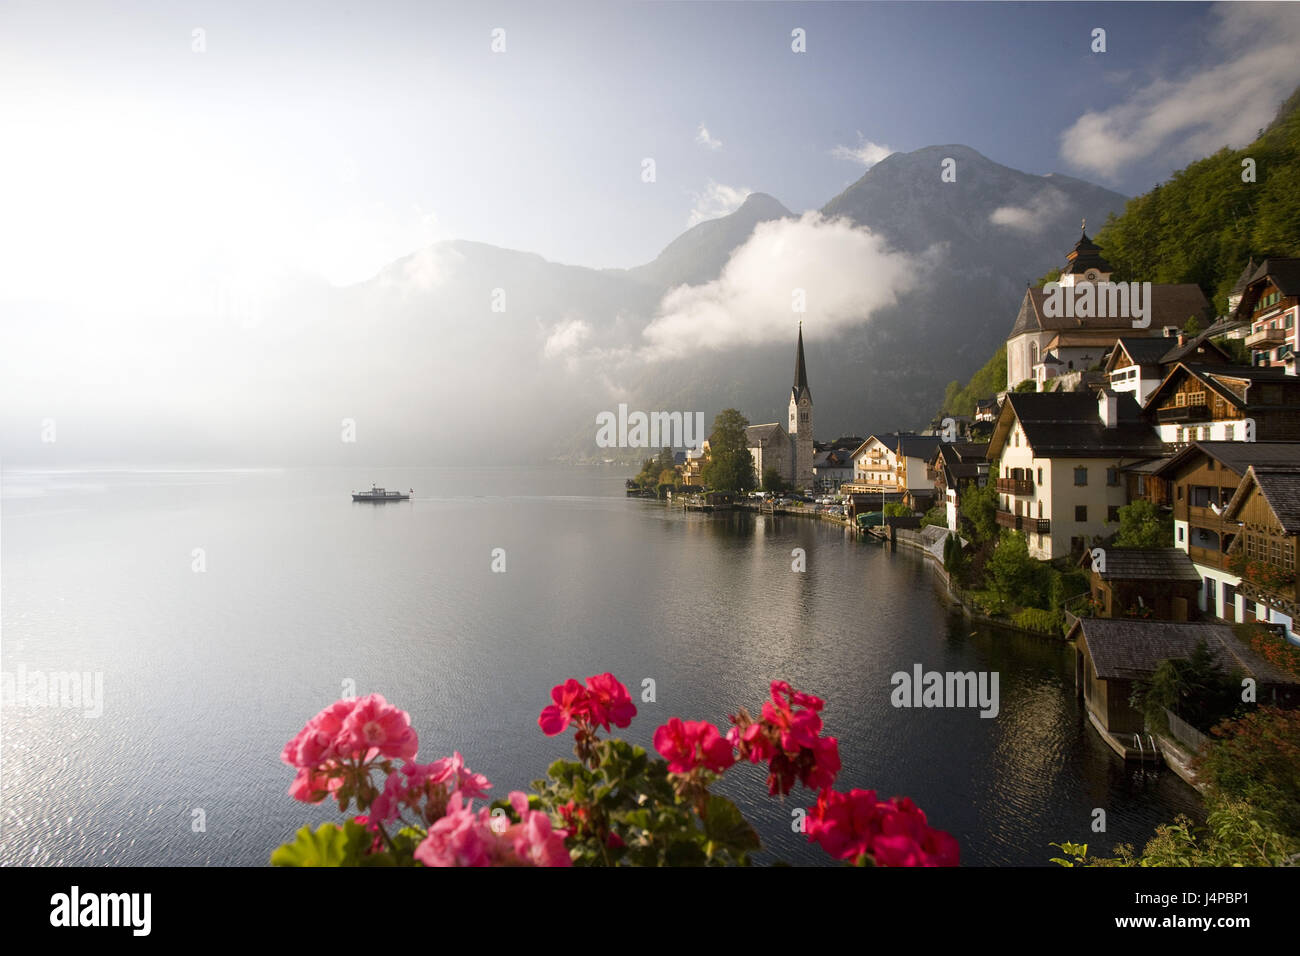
<point x="1157" y="584"/>
<point x="913" y="454"/>
<point x="875" y="464"/>
<point x="953" y="468"/>
<point x="1058" y="466"/>
<point x="696" y="459"/>
<point x="1042" y="346"/>
<point x="1111" y="656"/>
<point x="1267" y="506"/>
<point x="832" y="467"/>
<point x="1198" y="402"/>
<point x="1202" y="478"/>
<point x="1139" y="365"/>
<point x="986" y="410"/>
<point x="1271" y="302"/>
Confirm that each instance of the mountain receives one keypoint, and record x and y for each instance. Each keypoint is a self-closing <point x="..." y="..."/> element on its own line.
<point x="468" y="353"/>
<point x="698" y="255"/>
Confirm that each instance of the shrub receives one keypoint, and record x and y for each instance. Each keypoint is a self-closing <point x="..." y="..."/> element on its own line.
<point x="1038" y="620"/>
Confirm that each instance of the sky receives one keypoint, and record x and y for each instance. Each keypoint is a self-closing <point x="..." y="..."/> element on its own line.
<point x="337" y="137"/>
<point x="165" y="164"/>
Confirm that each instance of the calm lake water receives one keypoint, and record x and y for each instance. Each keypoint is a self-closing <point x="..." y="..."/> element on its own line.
<point x="206" y="675"/>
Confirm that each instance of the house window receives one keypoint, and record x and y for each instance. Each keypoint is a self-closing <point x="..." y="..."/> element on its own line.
<point x="1180" y="535"/>
<point x="1076" y="545"/>
<point x="1040" y="476"/>
<point x="1112" y="513"/>
<point x="1080" y="476"/>
<point x="1209" y="464"/>
<point x="1180" y="399"/>
<point x="1112" y="477"/>
<point x="1080" y="512"/>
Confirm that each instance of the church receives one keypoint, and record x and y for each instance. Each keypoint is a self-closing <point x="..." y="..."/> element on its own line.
<point x="788" y="449"/>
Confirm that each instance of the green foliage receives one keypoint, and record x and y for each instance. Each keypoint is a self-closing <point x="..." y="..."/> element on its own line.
<point x="1038" y="620"/>
<point x="896" y="509"/>
<point x="773" y="482"/>
<point x="1064" y="585"/>
<point x="987" y="382"/>
<point x="1143" y="525"/>
<point x="937" y="516"/>
<point x="1028" y="385"/>
<point x="1204" y="223"/>
<point x="1195" y="688"/>
<point x="1236" y="834"/>
<point x="979" y="507"/>
<point x="955" y="560"/>
<point x="329" y="845"/>
<point x="1256" y="758"/>
<point x="730" y="466"/>
<point x="629" y="796"/>
<point x="1014" y="576"/>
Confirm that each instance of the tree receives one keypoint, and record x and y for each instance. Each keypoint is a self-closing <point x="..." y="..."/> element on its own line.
<point x="1257" y="759"/>
<point x="1012" y="574"/>
<point x="1193" y="327"/>
<point x="896" y="509"/>
<point x="666" y="461"/>
<point x="1143" y="525"/>
<point x="773" y="482"/>
<point x="1195" y="688"/>
<point x="730" y="467"/>
<point x="979" y="507"/>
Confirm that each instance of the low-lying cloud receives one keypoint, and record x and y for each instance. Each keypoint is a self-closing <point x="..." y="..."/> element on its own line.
<point x="1034" y="216"/>
<point x="865" y="153"/>
<point x="840" y="274"/>
<point x="716" y="201"/>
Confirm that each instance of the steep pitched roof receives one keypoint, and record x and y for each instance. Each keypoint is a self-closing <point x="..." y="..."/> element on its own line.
<point x="800" y="387"/>
<point x="1243" y="280"/>
<point x="917" y="446"/>
<point x="1067" y="425"/>
<point x="1284" y="272"/>
<point x="1170" y="304"/>
<point x="1132" y="650"/>
<point x="1280" y="487"/>
<point x="1236" y="456"/>
<point x="1231" y="382"/>
<point x="765" y="433"/>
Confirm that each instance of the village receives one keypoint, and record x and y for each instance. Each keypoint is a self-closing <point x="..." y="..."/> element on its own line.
<point x="1135" y="489"/>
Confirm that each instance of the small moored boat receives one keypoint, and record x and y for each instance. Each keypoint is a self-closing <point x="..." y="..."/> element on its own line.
<point x="379" y="494"/>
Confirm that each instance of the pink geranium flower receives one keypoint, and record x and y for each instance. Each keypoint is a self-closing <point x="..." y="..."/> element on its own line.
<point x="608" y="701"/>
<point x="687" y="744"/>
<point x="376" y="727"/>
<point x="570" y="703"/>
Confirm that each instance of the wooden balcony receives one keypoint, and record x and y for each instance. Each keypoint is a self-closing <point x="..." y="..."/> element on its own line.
<point x="1266" y="338"/>
<point x="1025" y="523"/>
<point x="1183" y="413"/>
<point x="1015" y="486"/>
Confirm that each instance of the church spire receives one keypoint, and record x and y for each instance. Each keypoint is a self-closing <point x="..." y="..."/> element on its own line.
<point x="800" y="372"/>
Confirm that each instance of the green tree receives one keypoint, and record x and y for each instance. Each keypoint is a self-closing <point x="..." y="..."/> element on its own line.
<point x="1195" y="688"/>
<point x="1011" y="573"/>
<point x="1143" y="525"/>
<point x="665" y="461"/>
<point x="896" y="509"/>
<point x="730" y="467"/>
<point x="979" y="507"/>
<point x="1256" y="758"/>
<point x="773" y="482"/>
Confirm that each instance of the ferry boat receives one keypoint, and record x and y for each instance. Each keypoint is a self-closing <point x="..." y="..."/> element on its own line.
<point x="379" y="494"/>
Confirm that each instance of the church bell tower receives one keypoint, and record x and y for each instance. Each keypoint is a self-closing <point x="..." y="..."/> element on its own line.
<point x="801" y="422"/>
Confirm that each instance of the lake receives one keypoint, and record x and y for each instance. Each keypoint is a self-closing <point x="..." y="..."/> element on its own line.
<point x="225" y="608"/>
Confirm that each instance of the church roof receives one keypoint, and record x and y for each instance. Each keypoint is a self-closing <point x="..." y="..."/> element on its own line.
<point x="765" y="433"/>
<point x="1085" y="255"/>
<point x="1170" y="305"/>
<point x="800" y="387"/>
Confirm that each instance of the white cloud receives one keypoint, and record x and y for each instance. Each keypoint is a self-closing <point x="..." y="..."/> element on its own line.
<point x="1034" y="216"/>
<point x="846" y="273"/>
<point x="704" y="139"/>
<point x="716" y="200"/>
<point x="566" y="338"/>
<point x="1191" y="116"/>
<point x="866" y="153"/>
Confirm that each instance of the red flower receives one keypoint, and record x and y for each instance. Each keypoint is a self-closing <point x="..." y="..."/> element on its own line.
<point x="570" y="704"/>
<point x="854" y="825"/>
<point x="788" y="737"/>
<point x="608" y="701"/>
<point x="687" y="744"/>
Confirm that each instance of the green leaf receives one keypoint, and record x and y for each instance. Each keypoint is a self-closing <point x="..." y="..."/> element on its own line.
<point x="330" y="845"/>
<point x="726" y="825"/>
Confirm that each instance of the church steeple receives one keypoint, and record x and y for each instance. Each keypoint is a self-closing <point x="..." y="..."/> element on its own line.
<point x="800" y="372"/>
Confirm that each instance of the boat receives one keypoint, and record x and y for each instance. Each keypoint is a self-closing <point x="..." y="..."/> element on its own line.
<point x="379" y="494"/>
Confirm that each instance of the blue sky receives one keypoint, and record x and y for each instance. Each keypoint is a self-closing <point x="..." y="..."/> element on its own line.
<point x="335" y="137"/>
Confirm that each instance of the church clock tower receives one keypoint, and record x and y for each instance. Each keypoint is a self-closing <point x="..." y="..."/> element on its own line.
<point x="801" y="422"/>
